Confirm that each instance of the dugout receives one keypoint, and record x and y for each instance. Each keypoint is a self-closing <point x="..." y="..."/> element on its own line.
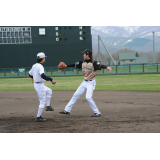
<point x="19" y="45"/>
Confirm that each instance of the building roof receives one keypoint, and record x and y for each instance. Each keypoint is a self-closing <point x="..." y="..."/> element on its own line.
<point x="141" y="60"/>
<point x="125" y="56"/>
<point x="129" y="56"/>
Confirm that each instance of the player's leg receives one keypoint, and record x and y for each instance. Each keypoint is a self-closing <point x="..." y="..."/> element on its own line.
<point x="48" y="92"/>
<point x="89" y="93"/>
<point x="42" y="98"/>
<point x="81" y="89"/>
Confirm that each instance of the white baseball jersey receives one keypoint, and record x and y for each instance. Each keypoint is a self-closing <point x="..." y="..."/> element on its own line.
<point x="36" y="71"/>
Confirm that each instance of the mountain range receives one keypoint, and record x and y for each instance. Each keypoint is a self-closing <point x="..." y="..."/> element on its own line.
<point x="139" y="38"/>
<point x="126" y="31"/>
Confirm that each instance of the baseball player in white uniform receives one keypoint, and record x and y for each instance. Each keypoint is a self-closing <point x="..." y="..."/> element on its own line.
<point x="89" y="70"/>
<point x="44" y="93"/>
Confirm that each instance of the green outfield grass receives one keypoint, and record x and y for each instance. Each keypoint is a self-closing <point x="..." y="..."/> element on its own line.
<point x="137" y="82"/>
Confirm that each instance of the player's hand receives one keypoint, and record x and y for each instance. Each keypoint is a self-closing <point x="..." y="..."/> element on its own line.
<point x="109" y="69"/>
<point x="53" y="82"/>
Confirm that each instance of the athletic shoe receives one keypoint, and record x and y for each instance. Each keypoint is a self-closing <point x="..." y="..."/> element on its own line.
<point x="40" y="119"/>
<point x="49" y="108"/>
<point x="64" y="112"/>
<point x="96" y="115"/>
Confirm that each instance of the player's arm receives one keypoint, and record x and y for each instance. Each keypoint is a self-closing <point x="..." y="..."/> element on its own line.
<point x="108" y="68"/>
<point x="30" y="76"/>
<point x="62" y="65"/>
<point x="31" y="73"/>
<point x="47" y="78"/>
<point x="70" y="65"/>
<point x="76" y="65"/>
<point x="99" y="66"/>
<point x="41" y="72"/>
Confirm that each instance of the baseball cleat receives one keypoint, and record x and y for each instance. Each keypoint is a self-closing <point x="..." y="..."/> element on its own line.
<point x="96" y="115"/>
<point x="49" y="108"/>
<point x="64" y="112"/>
<point x="40" y="119"/>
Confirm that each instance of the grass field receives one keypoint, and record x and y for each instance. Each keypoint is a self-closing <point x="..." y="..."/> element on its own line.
<point x="137" y="82"/>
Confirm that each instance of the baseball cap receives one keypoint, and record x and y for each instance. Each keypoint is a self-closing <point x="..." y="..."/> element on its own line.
<point x="41" y="55"/>
<point x="87" y="51"/>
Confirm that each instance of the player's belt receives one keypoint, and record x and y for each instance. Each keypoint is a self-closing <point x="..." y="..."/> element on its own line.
<point x="37" y="82"/>
<point x="88" y="80"/>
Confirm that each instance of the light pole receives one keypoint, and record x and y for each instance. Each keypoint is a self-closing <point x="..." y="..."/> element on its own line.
<point x="153" y="48"/>
<point x="98" y="49"/>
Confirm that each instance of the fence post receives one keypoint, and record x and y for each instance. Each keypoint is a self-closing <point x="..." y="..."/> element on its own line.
<point x="143" y="67"/>
<point x="64" y="71"/>
<point x="103" y="70"/>
<point x="77" y="70"/>
<point x="157" y="67"/>
<point x="116" y="68"/>
<point x="129" y="68"/>
<point x="136" y="68"/>
<point x="25" y="71"/>
<point x="57" y="70"/>
<point x="4" y="72"/>
<point x="51" y="70"/>
<point x="150" y="68"/>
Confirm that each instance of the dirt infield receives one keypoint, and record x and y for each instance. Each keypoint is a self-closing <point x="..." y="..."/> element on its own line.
<point x="122" y="111"/>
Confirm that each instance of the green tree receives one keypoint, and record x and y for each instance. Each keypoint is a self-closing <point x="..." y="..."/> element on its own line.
<point x="137" y="55"/>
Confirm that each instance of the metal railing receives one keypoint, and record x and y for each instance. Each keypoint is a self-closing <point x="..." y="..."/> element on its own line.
<point x="54" y="71"/>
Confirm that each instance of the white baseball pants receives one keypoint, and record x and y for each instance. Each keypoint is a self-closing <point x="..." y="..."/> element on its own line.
<point x="43" y="92"/>
<point x="88" y="87"/>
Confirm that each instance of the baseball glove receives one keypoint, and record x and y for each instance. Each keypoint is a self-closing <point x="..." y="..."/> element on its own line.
<point x="61" y="65"/>
<point x="32" y="80"/>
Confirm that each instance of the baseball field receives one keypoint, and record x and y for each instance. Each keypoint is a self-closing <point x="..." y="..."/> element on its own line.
<point x="128" y="104"/>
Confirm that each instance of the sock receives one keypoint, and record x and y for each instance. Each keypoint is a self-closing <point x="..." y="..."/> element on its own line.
<point x="48" y="101"/>
<point x="40" y="110"/>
